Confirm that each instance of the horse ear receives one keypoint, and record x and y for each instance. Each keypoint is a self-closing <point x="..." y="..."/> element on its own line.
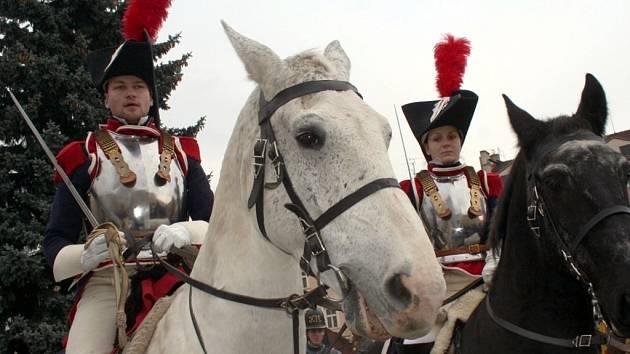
<point x="527" y="128"/>
<point x="593" y="107"/>
<point x="339" y="58"/>
<point x="262" y="64"/>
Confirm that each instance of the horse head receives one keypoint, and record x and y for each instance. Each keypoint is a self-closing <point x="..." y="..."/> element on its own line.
<point x="578" y="199"/>
<point x="331" y="144"/>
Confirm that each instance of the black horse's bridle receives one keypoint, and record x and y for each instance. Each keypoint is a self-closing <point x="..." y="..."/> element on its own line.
<point x="266" y="147"/>
<point x="538" y="217"/>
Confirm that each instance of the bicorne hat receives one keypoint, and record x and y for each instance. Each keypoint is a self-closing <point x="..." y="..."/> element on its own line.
<point x="140" y="25"/>
<point x="456" y="106"/>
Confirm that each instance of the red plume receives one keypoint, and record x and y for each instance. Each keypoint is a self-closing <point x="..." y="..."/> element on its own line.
<point x="144" y="14"/>
<point x="450" y="62"/>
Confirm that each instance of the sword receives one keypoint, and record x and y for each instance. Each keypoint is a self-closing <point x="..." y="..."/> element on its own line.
<point x="402" y="140"/>
<point x="135" y="247"/>
<point x="66" y="180"/>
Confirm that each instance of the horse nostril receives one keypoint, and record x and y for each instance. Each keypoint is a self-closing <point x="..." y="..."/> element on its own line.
<point x="397" y="289"/>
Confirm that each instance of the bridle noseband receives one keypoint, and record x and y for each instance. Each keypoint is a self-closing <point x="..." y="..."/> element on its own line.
<point x="539" y="217"/>
<point x="266" y="147"/>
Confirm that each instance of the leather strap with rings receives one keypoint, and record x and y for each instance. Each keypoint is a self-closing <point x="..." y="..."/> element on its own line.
<point x="431" y="190"/>
<point x="475" y="192"/>
<point x="111" y="150"/>
<point x="166" y="156"/>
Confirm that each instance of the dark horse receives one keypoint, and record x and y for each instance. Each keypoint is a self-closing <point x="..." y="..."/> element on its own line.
<point x="575" y="240"/>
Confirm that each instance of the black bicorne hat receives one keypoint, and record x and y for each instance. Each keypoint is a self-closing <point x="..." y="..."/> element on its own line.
<point x="130" y="58"/>
<point x="456" y="110"/>
<point x="141" y="22"/>
<point x="456" y="107"/>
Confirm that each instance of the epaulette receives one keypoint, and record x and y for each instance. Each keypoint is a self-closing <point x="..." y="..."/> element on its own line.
<point x="70" y="158"/>
<point x="491" y="183"/>
<point x="190" y="147"/>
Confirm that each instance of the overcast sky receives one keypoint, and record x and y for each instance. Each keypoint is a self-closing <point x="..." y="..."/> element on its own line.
<point x="537" y="52"/>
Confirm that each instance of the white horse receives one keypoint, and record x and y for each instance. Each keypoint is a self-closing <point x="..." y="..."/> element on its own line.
<point x="396" y="285"/>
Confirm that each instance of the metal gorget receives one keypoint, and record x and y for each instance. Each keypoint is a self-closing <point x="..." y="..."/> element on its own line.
<point x="460" y="229"/>
<point x="139" y="209"/>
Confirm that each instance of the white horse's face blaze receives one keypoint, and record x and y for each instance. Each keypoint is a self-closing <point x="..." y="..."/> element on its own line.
<point x="333" y="143"/>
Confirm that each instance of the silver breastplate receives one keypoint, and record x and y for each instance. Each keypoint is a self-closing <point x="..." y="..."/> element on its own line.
<point x="140" y="209"/>
<point x="460" y="229"/>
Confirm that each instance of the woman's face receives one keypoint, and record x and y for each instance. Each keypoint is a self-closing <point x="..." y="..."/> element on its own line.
<point x="444" y="144"/>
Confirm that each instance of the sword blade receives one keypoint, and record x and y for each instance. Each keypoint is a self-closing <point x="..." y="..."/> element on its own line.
<point x="402" y="140"/>
<point x="77" y="197"/>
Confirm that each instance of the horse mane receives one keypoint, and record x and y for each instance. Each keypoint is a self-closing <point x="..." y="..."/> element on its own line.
<point x="556" y="128"/>
<point x="498" y="224"/>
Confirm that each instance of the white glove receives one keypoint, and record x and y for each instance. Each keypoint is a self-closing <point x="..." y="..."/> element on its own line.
<point x="489" y="268"/>
<point x="95" y="254"/>
<point x="167" y="236"/>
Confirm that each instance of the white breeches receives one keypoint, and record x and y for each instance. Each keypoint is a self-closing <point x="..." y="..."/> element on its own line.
<point x="93" y="330"/>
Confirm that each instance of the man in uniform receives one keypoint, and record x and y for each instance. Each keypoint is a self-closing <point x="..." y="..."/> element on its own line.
<point x="316" y="332"/>
<point x="130" y="173"/>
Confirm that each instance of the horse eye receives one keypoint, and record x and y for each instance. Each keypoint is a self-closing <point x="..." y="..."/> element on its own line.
<point x="308" y="139"/>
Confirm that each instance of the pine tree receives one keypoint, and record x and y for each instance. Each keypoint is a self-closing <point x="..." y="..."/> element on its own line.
<point x="43" y="46"/>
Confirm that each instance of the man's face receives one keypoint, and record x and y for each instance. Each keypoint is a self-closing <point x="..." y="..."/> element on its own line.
<point x="315" y="336"/>
<point x="128" y="97"/>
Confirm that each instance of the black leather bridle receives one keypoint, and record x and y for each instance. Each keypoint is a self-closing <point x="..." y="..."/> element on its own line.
<point x="266" y="147"/>
<point x="538" y="219"/>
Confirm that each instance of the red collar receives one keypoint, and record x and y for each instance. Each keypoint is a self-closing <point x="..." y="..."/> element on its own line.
<point x="439" y="170"/>
<point x="114" y="125"/>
